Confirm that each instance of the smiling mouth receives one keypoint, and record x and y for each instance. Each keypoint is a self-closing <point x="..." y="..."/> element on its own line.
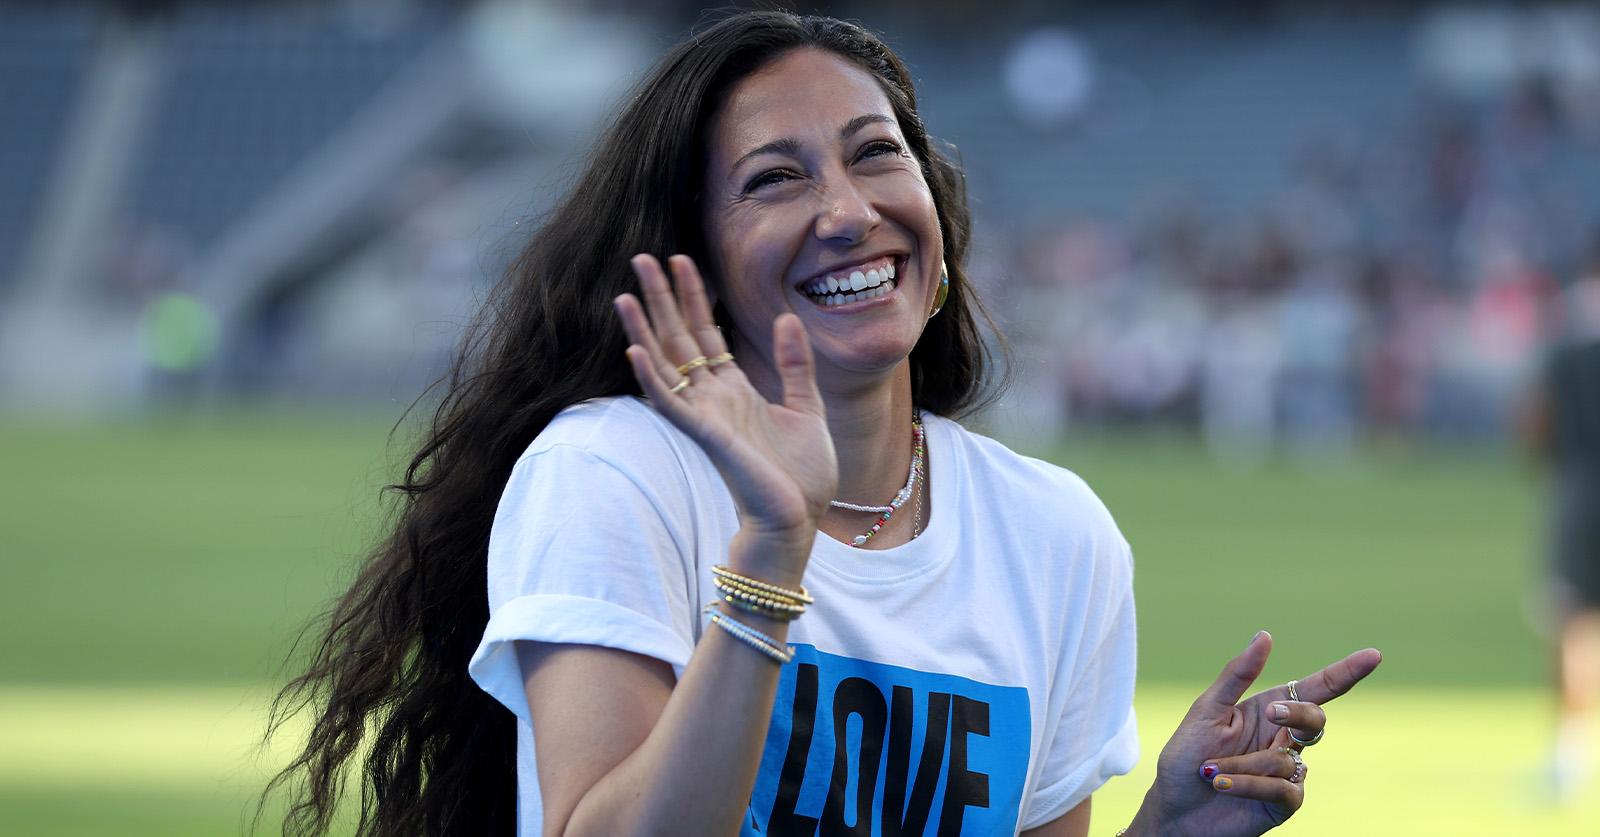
<point x="862" y="282"/>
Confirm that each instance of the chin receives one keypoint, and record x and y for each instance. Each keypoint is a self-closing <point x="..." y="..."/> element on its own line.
<point x="870" y="359"/>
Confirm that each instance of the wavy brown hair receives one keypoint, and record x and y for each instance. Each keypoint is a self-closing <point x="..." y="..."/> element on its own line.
<point x="388" y="667"/>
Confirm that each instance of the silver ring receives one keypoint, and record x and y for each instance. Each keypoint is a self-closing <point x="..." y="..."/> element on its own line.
<point x="1314" y="738"/>
<point x="1293" y="694"/>
<point x="1299" y="765"/>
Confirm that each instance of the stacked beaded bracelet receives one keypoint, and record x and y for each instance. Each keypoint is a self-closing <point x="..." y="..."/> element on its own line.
<point x="753" y="600"/>
<point x="753" y="595"/>
<point x="751" y="637"/>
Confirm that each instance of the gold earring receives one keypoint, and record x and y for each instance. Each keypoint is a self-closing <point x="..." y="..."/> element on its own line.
<point x="943" y="292"/>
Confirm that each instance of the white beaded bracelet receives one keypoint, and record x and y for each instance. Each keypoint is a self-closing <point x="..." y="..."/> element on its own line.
<point x="753" y="638"/>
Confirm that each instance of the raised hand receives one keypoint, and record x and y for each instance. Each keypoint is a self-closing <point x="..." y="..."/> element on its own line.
<point x="1228" y="769"/>
<point x="777" y="459"/>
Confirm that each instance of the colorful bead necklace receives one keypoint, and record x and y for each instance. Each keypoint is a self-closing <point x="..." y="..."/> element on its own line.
<point x="918" y="466"/>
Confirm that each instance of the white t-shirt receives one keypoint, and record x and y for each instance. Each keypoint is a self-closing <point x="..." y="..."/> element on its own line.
<point x="1009" y="624"/>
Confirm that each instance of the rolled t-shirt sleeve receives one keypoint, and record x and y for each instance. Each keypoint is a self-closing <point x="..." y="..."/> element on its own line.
<point x="582" y="552"/>
<point x="1095" y="735"/>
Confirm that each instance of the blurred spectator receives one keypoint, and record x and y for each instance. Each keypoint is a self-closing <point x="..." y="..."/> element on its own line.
<point x="1564" y="427"/>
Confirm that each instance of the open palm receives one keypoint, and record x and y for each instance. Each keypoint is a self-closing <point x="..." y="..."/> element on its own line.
<point x="776" y="458"/>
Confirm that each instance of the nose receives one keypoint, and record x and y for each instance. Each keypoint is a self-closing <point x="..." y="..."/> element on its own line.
<point x="846" y="215"/>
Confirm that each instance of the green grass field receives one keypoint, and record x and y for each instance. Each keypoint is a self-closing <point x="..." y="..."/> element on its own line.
<point x="154" y="574"/>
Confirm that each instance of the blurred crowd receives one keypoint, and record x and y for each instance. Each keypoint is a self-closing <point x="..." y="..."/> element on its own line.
<point x="1403" y="277"/>
<point x="1406" y="280"/>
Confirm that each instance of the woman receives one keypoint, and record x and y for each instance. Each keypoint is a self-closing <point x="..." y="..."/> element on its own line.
<point x="960" y="655"/>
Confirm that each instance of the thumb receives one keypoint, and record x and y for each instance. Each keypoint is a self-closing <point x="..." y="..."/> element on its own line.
<point x="1236" y="677"/>
<point x="796" y="368"/>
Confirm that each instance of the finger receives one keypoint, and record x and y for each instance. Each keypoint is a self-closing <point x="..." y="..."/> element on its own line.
<point x="1274" y="762"/>
<point x="1305" y="718"/>
<point x="1279" y="793"/>
<point x="696" y="306"/>
<point x="637" y="327"/>
<point x="1236" y="677"/>
<point x="659" y="300"/>
<point x="792" y="351"/>
<point x="658" y="391"/>
<point x="1339" y="677"/>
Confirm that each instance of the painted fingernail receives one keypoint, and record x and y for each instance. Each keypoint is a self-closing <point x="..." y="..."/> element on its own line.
<point x="1209" y="771"/>
<point x="1222" y="783"/>
<point x="1280" y="711"/>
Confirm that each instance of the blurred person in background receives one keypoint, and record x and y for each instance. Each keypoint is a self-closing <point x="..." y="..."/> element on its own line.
<point x="1563" y="427"/>
<point x="982" y="617"/>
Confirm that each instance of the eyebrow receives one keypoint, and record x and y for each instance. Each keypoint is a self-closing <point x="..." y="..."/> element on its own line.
<point x="791" y="146"/>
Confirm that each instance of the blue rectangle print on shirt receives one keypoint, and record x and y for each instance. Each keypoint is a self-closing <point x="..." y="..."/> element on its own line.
<point x="870" y="749"/>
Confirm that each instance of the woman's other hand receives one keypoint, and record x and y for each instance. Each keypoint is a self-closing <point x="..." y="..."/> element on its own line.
<point x="1228" y="769"/>
<point x="776" y="458"/>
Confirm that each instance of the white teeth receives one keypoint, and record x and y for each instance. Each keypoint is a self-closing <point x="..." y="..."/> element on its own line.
<point x="857" y="286"/>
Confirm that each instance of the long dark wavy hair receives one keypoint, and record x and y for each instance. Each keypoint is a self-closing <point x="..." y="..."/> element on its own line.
<point x="388" y="667"/>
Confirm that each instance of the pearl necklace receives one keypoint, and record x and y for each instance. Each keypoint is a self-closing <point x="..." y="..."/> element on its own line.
<point x="918" y="466"/>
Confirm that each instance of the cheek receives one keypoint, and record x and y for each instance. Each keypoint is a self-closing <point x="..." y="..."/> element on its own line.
<point x="913" y="203"/>
<point x="753" y="249"/>
<point x="761" y="242"/>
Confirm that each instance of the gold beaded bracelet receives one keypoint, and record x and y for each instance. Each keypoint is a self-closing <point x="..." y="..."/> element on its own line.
<point x="734" y="584"/>
<point x="800" y="595"/>
<point x="746" y="598"/>
<point x="763" y="606"/>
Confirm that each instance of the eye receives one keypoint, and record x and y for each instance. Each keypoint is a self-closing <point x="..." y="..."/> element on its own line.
<point x="877" y="148"/>
<point x="769" y="178"/>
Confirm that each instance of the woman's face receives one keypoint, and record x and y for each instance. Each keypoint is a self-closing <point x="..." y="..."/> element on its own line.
<point x="815" y="204"/>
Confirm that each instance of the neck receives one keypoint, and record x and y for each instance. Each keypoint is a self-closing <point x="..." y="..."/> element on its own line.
<point x="872" y="437"/>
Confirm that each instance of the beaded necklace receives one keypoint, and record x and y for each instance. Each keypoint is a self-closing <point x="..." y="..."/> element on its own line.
<point x="918" y="458"/>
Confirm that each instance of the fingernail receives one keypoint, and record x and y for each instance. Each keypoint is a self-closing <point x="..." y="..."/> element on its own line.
<point x="1209" y="771"/>
<point x="1280" y="711"/>
<point x="1253" y="637"/>
<point x="1222" y="783"/>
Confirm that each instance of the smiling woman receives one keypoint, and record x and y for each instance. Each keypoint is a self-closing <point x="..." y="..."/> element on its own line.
<point x="810" y="180"/>
<point x="720" y="608"/>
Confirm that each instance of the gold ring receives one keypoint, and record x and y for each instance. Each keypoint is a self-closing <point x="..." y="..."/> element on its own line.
<point x="693" y="365"/>
<point x="679" y="386"/>
<point x="1294" y="694"/>
<point x="718" y="360"/>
